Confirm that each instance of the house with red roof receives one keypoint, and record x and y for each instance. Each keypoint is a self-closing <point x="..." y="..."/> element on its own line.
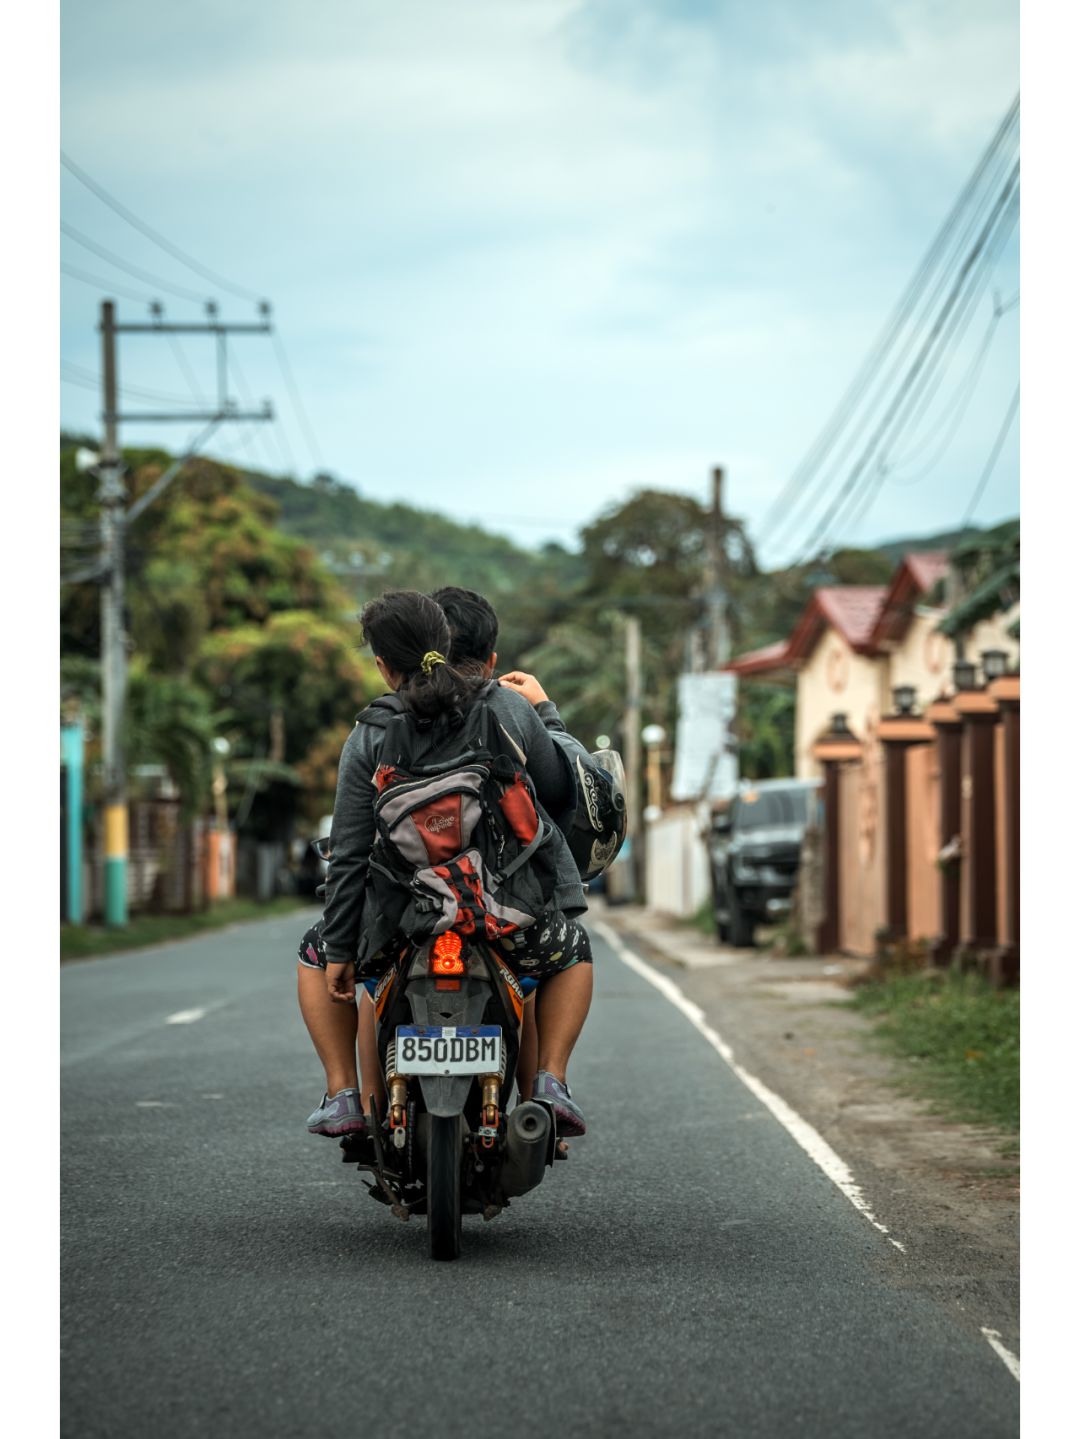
<point x="854" y="644"/>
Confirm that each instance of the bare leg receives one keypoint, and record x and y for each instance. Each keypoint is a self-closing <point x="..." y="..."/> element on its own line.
<point x="562" y="1003"/>
<point x="370" y="1069"/>
<point x="526" y="1068"/>
<point x="332" y="1028"/>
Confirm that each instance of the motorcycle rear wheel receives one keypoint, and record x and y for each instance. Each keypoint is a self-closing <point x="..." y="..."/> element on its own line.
<point x="444" y="1187"/>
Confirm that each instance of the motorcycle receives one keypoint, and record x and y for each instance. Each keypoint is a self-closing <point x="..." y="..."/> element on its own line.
<point x="448" y="1018"/>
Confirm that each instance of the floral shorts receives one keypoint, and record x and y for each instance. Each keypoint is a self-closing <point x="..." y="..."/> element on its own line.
<point x="552" y="944"/>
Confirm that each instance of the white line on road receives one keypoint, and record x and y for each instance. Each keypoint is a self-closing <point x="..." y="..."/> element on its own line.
<point x="190" y="1016"/>
<point x="1012" y="1364"/>
<point x="805" y="1135"/>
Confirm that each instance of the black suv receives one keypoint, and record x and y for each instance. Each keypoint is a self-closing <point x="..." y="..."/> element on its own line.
<point x="754" y="854"/>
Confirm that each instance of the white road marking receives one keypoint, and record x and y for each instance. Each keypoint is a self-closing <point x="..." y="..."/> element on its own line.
<point x="150" y="1104"/>
<point x="190" y="1016"/>
<point x="1012" y="1364"/>
<point x="805" y="1135"/>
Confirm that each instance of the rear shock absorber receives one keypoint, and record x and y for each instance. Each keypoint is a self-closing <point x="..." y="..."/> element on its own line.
<point x="490" y="1086"/>
<point x="397" y="1087"/>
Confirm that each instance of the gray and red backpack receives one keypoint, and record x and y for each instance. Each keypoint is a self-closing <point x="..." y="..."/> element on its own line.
<point x="461" y="842"/>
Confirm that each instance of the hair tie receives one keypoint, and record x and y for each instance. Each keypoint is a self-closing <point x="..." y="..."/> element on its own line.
<point x="430" y="660"/>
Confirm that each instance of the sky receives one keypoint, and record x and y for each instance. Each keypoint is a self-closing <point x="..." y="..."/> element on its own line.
<point x="527" y="257"/>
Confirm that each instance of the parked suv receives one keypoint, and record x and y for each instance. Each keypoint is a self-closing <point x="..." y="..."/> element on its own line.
<point x="754" y="854"/>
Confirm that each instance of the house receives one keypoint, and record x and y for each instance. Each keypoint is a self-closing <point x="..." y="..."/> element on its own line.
<point x="853" y="645"/>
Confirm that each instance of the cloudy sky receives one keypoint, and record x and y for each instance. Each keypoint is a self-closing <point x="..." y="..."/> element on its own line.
<point x="527" y="255"/>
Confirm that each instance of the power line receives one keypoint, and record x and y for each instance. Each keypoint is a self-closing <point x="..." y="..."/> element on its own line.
<point x="82" y="374"/>
<point x="297" y="403"/>
<point x="862" y="498"/>
<point x="113" y="259"/>
<point x="995" y="451"/>
<point x="952" y="414"/>
<point x="993" y="169"/>
<point x="781" y="510"/>
<point x="915" y="370"/>
<point x="108" y="285"/>
<point x="158" y="238"/>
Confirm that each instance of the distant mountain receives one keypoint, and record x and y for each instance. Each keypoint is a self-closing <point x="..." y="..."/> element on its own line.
<point x="895" y="550"/>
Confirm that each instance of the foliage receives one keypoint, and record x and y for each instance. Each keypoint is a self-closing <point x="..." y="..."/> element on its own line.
<point x="169" y="722"/>
<point x="766" y="730"/>
<point x="963" y="1034"/>
<point x="988" y="566"/>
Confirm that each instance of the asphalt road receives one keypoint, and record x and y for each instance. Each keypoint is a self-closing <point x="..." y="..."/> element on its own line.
<point x="688" y="1272"/>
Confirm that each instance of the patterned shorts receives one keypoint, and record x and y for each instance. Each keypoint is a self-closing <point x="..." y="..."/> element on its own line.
<point x="552" y="944"/>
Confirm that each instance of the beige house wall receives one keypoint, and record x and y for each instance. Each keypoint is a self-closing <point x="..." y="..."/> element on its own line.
<point x="834" y="680"/>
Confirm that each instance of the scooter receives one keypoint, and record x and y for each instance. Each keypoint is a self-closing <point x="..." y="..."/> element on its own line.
<point x="448" y="1019"/>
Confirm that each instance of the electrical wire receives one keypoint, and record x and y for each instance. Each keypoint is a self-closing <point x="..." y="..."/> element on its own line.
<point x="98" y="283"/>
<point x="81" y="374"/>
<point x="113" y="259"/>
<point x="991" y="463"/>
<point x="158" y="238"/>
<point x="930" y="374"/>
<point x="993" y="170"/>
<point x="297" y="403"/>
<point x="865" y="377"/>
<point x="906" y="391"/>
<point x="200" y="269"/>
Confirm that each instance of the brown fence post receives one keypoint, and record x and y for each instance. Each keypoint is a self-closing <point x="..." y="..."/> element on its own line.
<point x="943" y="716"/>
<point x="1006" y="694"/>
<point x="978" y="880"/>
<point x="833" y="747"/>
<point x="897" y="733"/>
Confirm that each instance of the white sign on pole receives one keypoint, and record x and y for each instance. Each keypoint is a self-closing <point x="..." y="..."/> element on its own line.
<point x="706" y="752"/>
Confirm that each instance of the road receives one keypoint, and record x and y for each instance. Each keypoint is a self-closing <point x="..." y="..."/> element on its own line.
<point x="690" y="1271"/>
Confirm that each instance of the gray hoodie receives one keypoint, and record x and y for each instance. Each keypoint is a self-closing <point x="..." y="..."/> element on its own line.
<point x="547" y="746"/>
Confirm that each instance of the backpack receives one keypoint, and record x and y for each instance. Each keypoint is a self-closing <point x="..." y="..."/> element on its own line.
<point x="460" y="841"/>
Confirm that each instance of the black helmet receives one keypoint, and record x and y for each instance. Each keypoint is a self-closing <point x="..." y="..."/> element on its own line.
<point x="598" y="827"/>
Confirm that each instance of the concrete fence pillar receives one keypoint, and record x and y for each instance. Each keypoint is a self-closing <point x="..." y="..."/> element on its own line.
<point x="834" y="746"/>
<point x="897" y="734"/>
<point x="978" y="713"/>
<point x="942" y="716"/>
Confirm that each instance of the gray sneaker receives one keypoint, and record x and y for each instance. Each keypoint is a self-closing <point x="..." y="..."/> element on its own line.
<point x="344" y="1114"/>
<point x="569" y="1119"/>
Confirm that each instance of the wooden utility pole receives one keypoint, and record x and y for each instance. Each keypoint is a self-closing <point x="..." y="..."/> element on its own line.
<point x="632" y="752"/>
<point x="114" y="521"/>
<point x="113" y="634"/>
<point x="718" y="644"/>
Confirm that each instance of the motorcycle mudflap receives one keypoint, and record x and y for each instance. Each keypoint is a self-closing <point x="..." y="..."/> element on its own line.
<point x="445" y="1096"/>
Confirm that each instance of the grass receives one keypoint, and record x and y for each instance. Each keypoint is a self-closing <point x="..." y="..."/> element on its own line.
<point x="962" y="1036"/>
<point x="703" y="920"/>
<point x="86" y="941"/>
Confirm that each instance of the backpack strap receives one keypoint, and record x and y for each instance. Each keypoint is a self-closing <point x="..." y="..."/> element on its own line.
<point x="381" y="711"/>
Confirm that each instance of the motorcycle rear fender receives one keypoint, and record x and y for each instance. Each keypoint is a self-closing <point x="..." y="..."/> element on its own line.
<point x="446" y="1095"/>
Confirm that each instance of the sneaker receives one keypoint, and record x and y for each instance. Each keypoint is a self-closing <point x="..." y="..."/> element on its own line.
<point x="568" y="1116"/>
<point x="343" y="1114"/>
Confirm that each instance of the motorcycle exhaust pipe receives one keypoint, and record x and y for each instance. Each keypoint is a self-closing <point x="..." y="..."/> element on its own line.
<point x="528" y="1130"/>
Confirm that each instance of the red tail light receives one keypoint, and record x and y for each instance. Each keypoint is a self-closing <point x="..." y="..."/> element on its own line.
<point x="446" y="955"/>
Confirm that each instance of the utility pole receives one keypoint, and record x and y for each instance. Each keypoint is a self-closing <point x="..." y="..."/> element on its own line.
<point x="718" y="646"/>
<point x="632" y="753"/>
<point x="113" y="635"/>
<point x="114" y="520"/>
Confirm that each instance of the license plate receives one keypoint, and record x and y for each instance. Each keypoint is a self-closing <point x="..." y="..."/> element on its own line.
<point x="448" y="1049"/>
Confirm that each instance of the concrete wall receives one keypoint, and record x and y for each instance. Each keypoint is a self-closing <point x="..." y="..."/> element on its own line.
<point x="676" y="864"/>
<point x="835" y="679"/>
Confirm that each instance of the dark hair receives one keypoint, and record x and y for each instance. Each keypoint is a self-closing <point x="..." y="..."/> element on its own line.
<point x="403" y="628"/>
<point x="474" y="625"/>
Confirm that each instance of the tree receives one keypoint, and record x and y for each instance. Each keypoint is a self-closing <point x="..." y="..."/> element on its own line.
<point x="988" y="567"/>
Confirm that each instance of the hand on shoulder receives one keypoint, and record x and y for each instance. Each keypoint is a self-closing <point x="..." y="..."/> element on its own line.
<point x="525" y="685"/>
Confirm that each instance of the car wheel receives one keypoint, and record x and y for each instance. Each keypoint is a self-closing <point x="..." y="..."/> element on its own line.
<point x="741" y="923"/>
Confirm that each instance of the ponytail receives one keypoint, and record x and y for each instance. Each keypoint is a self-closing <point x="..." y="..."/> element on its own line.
<point x="410" y="634"/>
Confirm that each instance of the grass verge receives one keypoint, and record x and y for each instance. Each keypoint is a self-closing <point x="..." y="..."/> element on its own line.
<point x="87" y="941"/>
<point x="962" y="1036"/>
